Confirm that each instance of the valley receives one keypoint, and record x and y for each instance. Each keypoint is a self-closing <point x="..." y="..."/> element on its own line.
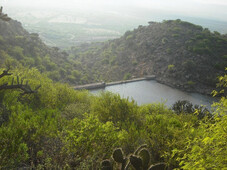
<point x="49" y="121"/>
<point x="74" y="27"/>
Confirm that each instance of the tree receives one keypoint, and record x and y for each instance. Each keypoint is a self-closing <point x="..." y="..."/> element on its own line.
<point x="208" y="149"/>
<point x="24" y="87"/>
<point x="3" y="16"/>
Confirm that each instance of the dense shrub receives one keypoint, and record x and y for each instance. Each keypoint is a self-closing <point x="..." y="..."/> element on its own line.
<point x="58" y="127"/>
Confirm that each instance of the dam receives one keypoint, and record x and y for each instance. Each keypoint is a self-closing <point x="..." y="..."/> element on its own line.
<point x="103" y="84"/>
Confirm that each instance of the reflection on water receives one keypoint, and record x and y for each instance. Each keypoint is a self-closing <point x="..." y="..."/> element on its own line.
<point x="144" y="92"/>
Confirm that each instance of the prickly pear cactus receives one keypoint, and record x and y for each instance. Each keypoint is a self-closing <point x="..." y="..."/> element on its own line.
<point x="106" y="165"/>
<point x="158" y="166"/>
<point x="118" y="155"/>
<point x="139" y="160"/>
<point x="136" y="162"/>
<point x="144" y="154"/>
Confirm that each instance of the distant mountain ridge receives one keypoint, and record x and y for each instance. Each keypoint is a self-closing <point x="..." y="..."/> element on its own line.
<point x="179" y="53"/>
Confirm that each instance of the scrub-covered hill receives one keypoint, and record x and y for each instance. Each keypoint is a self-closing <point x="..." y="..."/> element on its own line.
<point x="47" y="125"/>
<point x="20" y="48"/>
<point x="179" y="53"/>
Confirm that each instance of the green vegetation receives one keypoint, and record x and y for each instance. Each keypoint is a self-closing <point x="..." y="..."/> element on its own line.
<point x="171" y="66"/>
<point x="191" y="83"/>
<point x="206" y="150"/>
<point x="58" y="127"/>
<point x="192" y="50"/>
<point x="164" y="40"/>
<point x="144" y="51"/>
<point x="48" y="125"/>
<point x="175" y="35"/>
<point x="127" y="76"/>
<point x="27" y="50"/>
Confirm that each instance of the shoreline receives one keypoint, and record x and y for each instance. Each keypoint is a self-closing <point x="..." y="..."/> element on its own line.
<point x="201" y="89"/>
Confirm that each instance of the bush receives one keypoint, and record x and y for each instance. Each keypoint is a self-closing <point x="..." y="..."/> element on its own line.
<point x="127" y="76"/>
<point x="129" y="37"/>
<point x="171" y="66"/>
<point x="110" y="107"/>
<point x="191" y="83"/>
<point x="1" y="39"/>
<point x="164" y="40"/>
<point x="175" y="35"/>
<point x="61" y="128"/>
<point x="186" y="107"/>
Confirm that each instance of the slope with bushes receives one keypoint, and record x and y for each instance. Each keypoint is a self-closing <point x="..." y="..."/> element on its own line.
<point x="179" y="53"/>
<point x="58" y="127"/>
<point x="22" y="49"/>
<point x="48" y="125"/>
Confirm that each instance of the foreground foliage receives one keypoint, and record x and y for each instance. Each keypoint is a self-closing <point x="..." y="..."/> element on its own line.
<point x="208" y="149"/>
<point x="58" y="127"/>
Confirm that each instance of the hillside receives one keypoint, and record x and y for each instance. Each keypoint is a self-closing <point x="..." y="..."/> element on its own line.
<point x="22" y="49"/>
<point x="179" y="53"/>
<point x="49" y="125"/>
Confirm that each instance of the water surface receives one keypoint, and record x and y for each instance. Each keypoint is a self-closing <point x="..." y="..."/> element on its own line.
<point x="144" y="92"/>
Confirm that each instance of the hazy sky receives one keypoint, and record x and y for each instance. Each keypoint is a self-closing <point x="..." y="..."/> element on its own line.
<point x="214" y="9"/>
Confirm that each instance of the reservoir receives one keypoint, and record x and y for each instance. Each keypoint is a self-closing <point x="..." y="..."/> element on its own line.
<point x="144" y="92"/>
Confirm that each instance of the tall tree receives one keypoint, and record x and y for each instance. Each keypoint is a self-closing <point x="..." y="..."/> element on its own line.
<point x="3" y="16"/>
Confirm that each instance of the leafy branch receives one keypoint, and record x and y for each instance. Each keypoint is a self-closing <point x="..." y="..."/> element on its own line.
<point x="5" y="73"/>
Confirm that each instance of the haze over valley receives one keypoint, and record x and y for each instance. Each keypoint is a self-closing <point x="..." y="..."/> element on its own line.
<point x="158" y="74"/>
<point x="75" y="22"/>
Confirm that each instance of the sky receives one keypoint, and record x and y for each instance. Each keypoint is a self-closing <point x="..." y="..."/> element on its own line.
<point x="213" y="9"/>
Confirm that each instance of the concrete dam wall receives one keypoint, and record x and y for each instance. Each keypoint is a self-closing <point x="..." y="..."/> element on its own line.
<point x="103" y="84"/>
